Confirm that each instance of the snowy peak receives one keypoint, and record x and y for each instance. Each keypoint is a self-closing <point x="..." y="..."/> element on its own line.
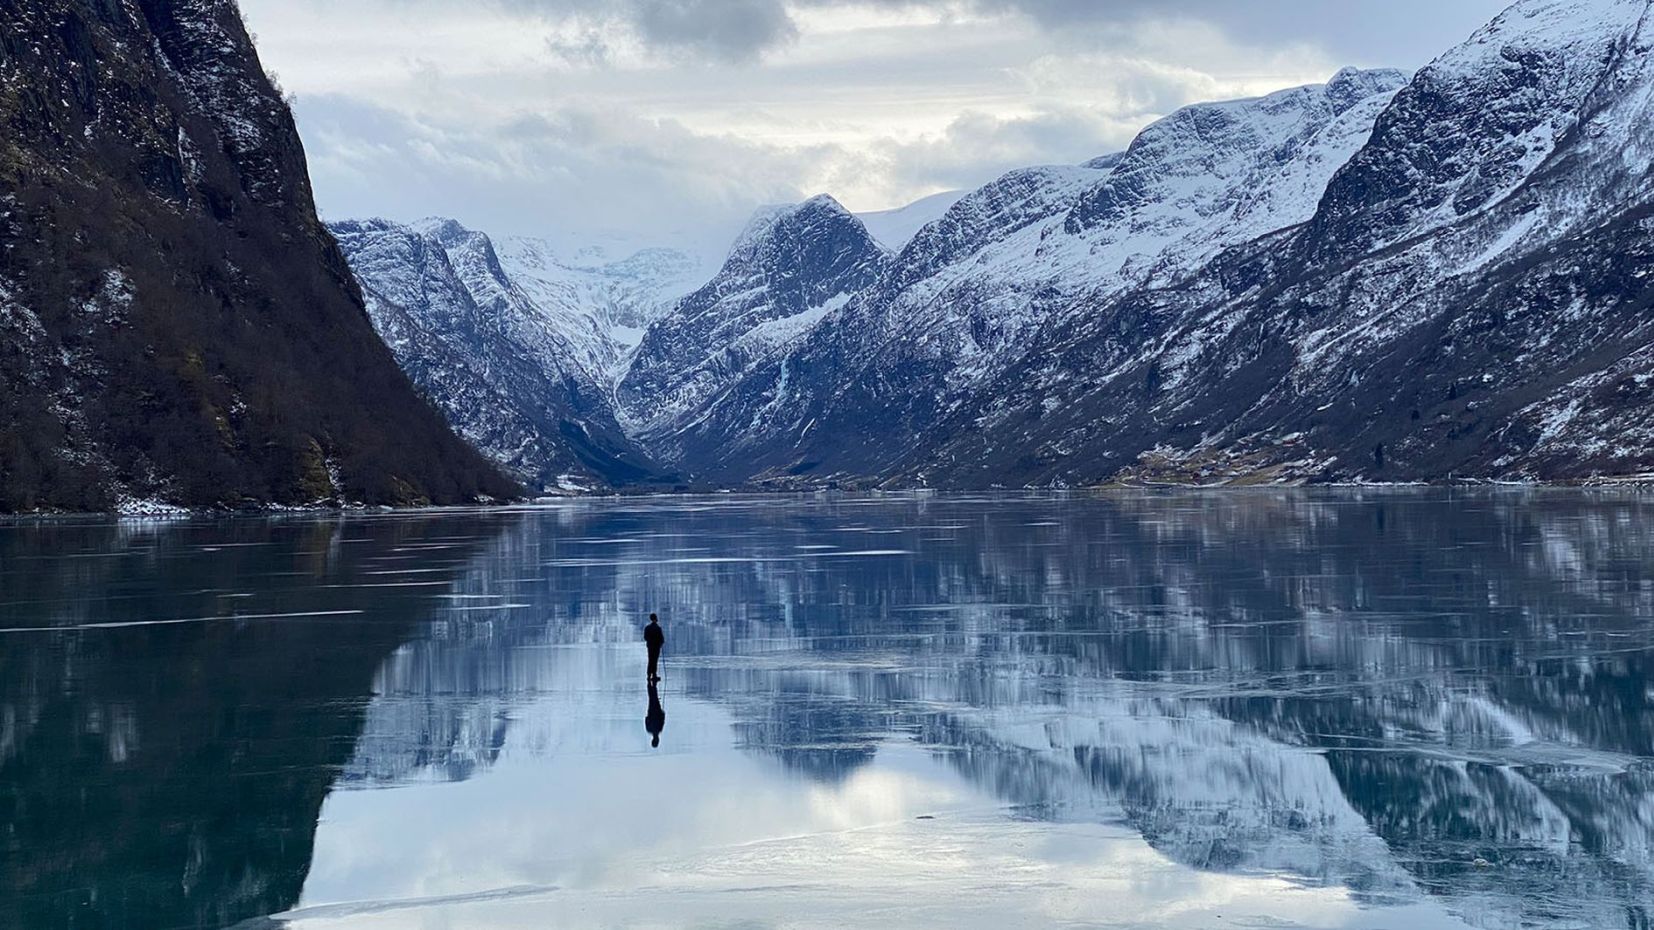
<point x="992" y="213"/>
<point x="395" y="262"/>
<point x="810" y="254"/>
<point x="788" y="260"/>
<point x="477" y="264"/>
<point x="522" y="380"/>
<point x="1575" y="29"/>
<point x="1350" y="86"/>
<point x="789" y="268"/>
<point x="774" y="232"/>
<point x="442" y="229"/>
<point x="1478" y="121"/>
<point x="768" y="222"/>
<point x="1193" y="161"/>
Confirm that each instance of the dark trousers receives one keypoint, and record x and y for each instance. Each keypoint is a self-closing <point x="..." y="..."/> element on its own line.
<point x="654" y="662"/>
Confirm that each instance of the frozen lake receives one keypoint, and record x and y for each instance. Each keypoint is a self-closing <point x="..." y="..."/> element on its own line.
<point x="1362" y="709"/>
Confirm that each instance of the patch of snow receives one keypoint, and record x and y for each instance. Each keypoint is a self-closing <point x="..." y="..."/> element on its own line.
<point x="894" y="229"/>
<point x="775" y="334"/>
<point x="148" y="507"/>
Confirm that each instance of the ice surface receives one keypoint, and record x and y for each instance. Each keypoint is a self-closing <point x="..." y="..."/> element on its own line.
<point x="1345" y="708"/>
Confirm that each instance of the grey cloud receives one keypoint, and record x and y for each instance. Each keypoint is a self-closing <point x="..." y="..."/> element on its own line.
<point x="606" y="172"/>
<point x="727" y="30"/>
<point x="1360" y="31"/>
<point x="588" y="50"/>
<point x="978" y="147"/>
<point x="521" y="145"/>
<point x="540" y="172"/>
<point x="1387" y="30"/>
<point x="1365" y="32"/>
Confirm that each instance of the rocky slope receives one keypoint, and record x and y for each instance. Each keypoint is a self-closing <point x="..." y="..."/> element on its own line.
<point x="1470" y="298"/>
<point x="788" y="270"/>
<point x="175" y="323"/>
<point x="516" y="361"/>
<point x="972" y="291"/>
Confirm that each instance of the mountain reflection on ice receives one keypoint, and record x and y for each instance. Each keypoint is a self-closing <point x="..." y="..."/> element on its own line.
<point x="156" y="773"/>
<point x="1308" y="708"/>
<point x="1402" y="696"/>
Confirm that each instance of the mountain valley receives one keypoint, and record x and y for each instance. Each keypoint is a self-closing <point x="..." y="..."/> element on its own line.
<point x="1386" y="278"/>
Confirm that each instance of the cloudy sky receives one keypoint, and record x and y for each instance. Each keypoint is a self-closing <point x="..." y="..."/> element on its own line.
<point x="665" y="118"/>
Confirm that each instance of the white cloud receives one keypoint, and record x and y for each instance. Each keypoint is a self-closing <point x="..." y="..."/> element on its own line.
<point x="538" y="115"/>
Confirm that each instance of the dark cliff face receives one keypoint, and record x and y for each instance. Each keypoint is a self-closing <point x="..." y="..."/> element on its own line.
<point x="175" y="322"/>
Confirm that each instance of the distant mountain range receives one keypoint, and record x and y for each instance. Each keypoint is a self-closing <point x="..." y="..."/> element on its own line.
<point x="517" y="345"/>
<point x="575" y="371"/>
<point x="176" y="325"/>
<point x="1383" y="278"/>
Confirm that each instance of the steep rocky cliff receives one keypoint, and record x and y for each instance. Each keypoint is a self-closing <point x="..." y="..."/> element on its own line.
<point x="788" y="270"/>
<point x="175" y="323"/>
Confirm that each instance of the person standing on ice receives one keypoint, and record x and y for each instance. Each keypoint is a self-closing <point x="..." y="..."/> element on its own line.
<point x="654" y="637"/>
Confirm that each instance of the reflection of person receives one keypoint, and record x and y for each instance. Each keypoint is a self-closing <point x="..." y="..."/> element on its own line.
<point x="654" y="637"/>
<point x="655" y="721"/>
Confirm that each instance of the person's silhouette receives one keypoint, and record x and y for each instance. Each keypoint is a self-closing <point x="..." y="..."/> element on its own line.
<point x="655" y="720"/>
<point x="654" y="637"/>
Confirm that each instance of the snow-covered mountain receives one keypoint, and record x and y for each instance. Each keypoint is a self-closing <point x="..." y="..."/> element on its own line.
<point x="617" y="293"/>
<point x="520" y="359"/>
<point x="1470" y="297"/>
<point x="894" y="229"/>
<point x="1378" y="278"/>
<point x="969" y="293"/>
<point x="789" y="269"/>
<point x="534" y="348"/>
<point x="1348" y="282"/>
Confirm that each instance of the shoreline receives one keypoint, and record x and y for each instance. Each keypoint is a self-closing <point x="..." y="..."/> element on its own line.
<point x="160" y="511"/>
